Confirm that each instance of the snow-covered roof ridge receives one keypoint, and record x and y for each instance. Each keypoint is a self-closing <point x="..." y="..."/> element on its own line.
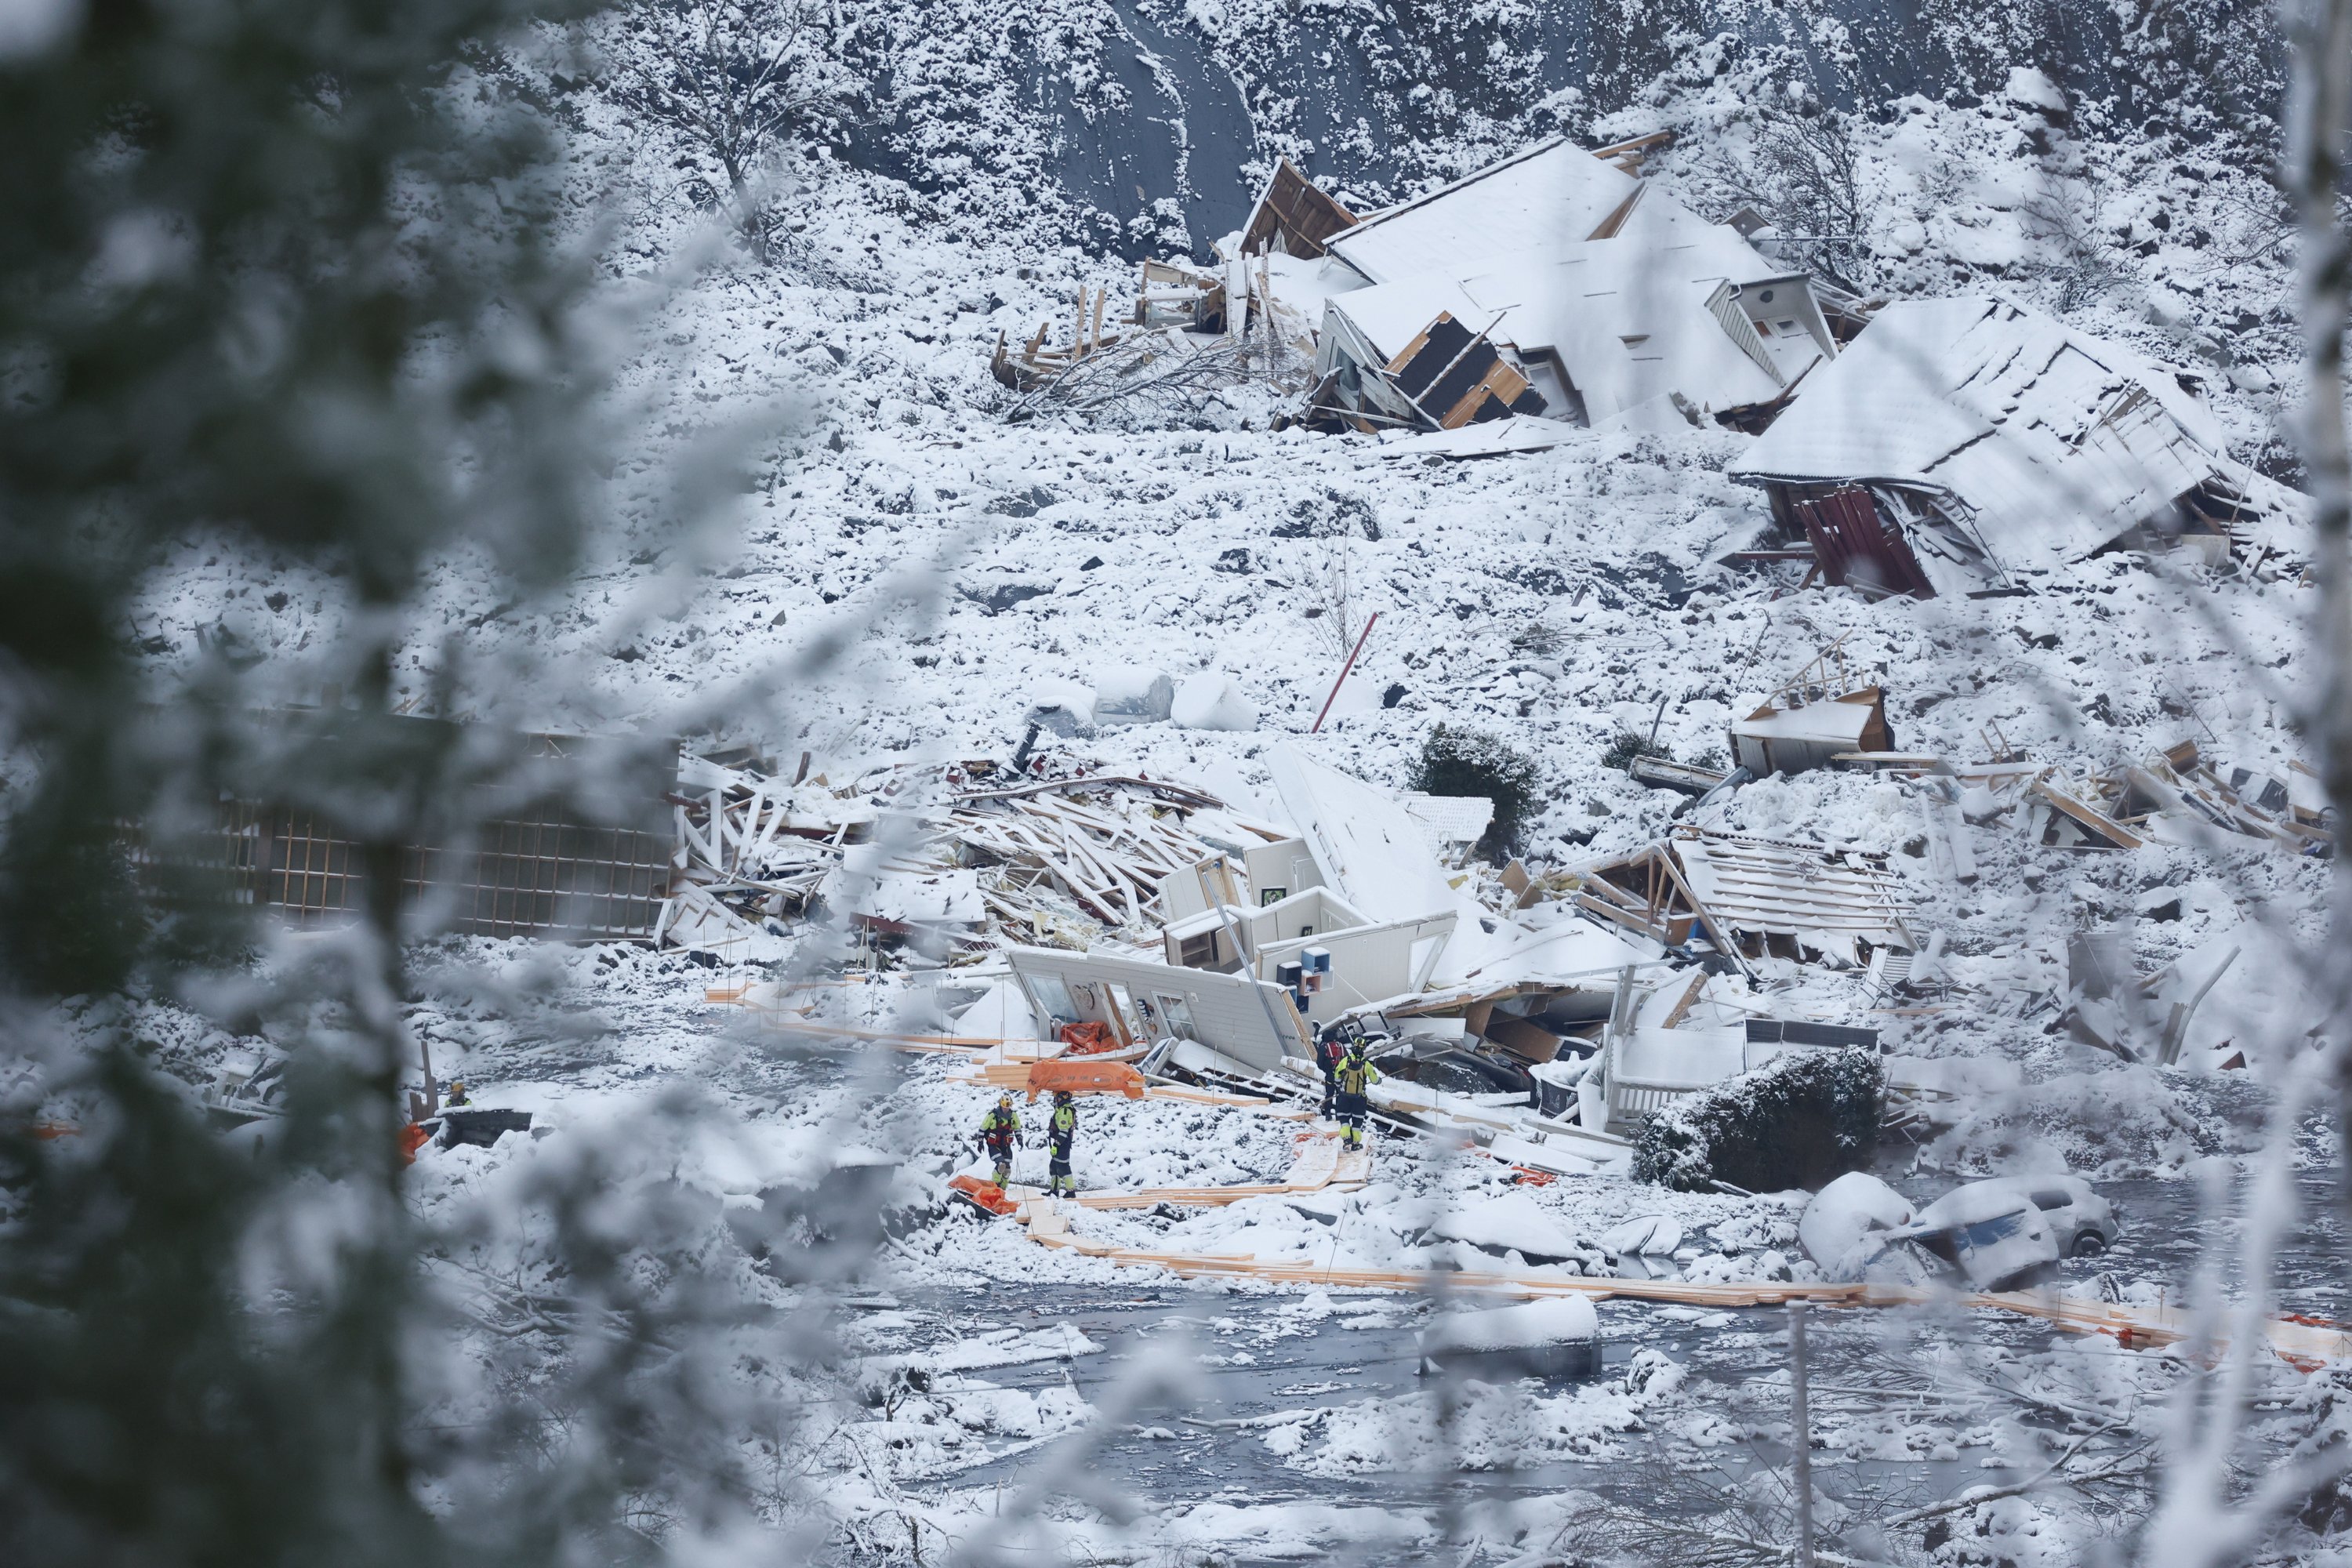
<point x="1553" y="194"/>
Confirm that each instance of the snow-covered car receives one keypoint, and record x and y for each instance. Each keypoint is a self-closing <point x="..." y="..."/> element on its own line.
<point x="1993" y="1235"/>
<point x="2081" y="1222"/>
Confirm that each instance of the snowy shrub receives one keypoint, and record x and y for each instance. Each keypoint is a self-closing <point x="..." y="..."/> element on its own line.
<point x="1628" y="744"/>
<point x="1808" y="1117"/>
<point x="1463" y="762"/>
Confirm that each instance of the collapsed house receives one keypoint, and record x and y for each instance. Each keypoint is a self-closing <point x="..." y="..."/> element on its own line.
<point x="1752" y="897"/>
<point x="2175" y="797"/>
<point x="1552" y="283"/>
<point x="1957" y="445"/>
<point x="1353" y="915"/>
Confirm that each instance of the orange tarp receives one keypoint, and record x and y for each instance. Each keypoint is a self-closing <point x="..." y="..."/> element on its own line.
<point x="987" y="1194"/>
<point x="1083" y="1077"/>
<point x="1088" y="1040"/>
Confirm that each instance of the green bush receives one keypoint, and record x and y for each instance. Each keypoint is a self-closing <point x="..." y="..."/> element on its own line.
<point x="1629" y="744"/>
<point x="1797" y="1123"/>
<point x="1463" y="762"/>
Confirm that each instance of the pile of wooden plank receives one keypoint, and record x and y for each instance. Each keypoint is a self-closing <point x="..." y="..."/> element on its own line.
<point x="751" y="846"/>
<point x="1105" y="844"/>
<point x="1036" y="363"/>
<point x="1059" y="860"/>
<point x="2176" y="796"/>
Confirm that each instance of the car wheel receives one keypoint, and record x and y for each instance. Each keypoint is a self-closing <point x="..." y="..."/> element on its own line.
<point x="2090" y="1244"/>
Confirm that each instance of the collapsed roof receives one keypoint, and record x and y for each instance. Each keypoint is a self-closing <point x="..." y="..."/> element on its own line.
<point x="1602" y="294"/>
<point x="1959" y="442"/>
<point x="1752" y="897"/>
<point x="1554" y="193"/>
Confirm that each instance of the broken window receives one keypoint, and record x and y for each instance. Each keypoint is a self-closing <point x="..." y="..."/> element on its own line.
<point x="1054" y="1001"/>
<point x="1456" y="378"/>
<point x="1177" y="1017"/>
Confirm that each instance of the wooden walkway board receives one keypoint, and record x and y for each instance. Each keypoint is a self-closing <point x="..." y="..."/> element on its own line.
<point x="2305" y="1345"/>
<point x="1321" y="1166"/>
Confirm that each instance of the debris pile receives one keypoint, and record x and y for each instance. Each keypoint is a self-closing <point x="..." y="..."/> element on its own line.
<point x="2175" y="797"/>
<point x="1063" y="860"/>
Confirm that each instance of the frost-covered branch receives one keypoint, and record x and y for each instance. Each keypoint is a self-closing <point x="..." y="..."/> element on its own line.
<point x="733" y="81"/>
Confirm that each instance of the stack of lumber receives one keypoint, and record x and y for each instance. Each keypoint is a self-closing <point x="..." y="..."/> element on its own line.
<point x="1108" y="848"/>
<point x="1321" y="1166"/>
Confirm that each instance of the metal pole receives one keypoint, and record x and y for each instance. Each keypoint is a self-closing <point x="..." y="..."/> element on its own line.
<point x="1800" y="1436"/>
<point x="1343" y="673"/>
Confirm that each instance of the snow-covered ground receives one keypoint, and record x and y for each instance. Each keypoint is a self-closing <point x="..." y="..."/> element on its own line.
<point x="852" y="601"/>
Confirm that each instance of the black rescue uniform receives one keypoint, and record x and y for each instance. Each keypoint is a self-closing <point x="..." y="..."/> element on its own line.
<point x="1060" y="1132"/>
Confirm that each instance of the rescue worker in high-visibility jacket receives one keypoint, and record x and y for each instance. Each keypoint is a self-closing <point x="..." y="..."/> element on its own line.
<point x="998" y="1130"/>
<point x="1061" y="1131"/>
<point x="1356" y="1075"/>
